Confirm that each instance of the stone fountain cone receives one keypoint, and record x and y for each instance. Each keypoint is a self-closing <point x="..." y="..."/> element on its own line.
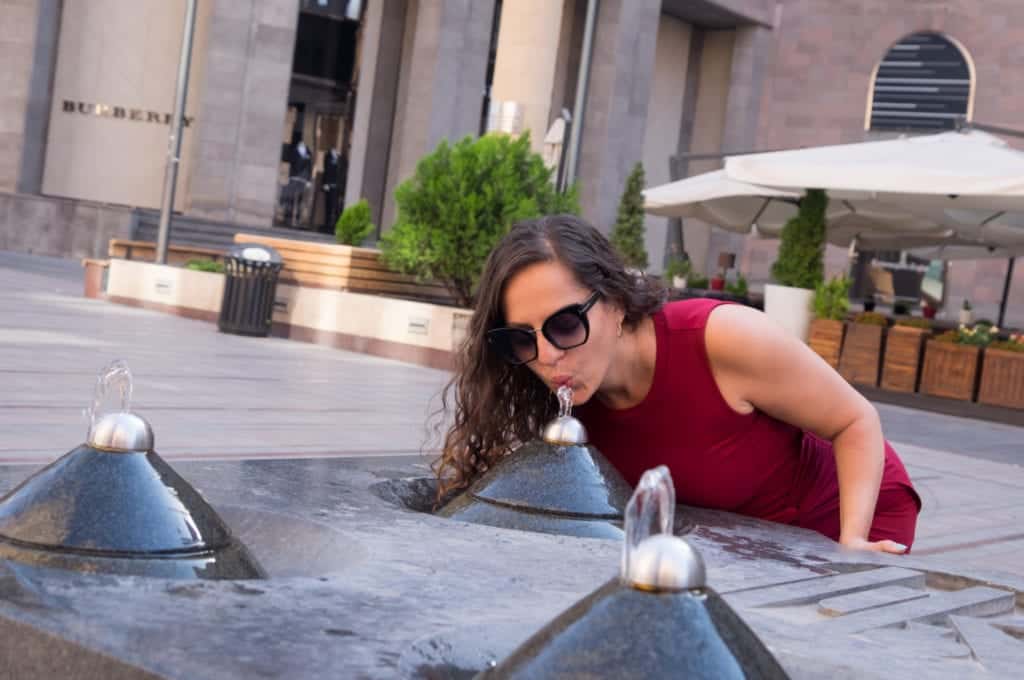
<point x="557" y="485"/>
<point x="659" y="619"/>
<point x="112" y="505"/>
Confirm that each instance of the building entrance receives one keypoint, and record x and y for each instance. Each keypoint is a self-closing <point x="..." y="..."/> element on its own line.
<point x="321" y="102"/>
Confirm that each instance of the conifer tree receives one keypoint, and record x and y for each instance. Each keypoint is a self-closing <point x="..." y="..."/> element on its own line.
<point x="802" y="249"/>
<point x="628" y="233"/>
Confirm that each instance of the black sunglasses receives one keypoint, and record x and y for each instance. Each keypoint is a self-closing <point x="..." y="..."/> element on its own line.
<point x="565" y="329"/>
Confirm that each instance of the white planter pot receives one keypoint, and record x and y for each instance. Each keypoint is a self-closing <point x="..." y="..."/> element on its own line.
<point x="679" y="282"/>
<point x="966" y="316"/>
<point x="790" y="307"/>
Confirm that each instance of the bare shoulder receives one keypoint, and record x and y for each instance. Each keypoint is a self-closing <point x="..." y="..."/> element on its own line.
<point x="738" y="332"/>
<point x="759" y="364"/>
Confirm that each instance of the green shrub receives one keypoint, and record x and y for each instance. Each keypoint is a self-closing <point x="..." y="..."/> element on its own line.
<point x="739" y="288"/>
<point x="354" y="224"/>
<point x="205" y="266"/>
<point x="803" y="244"/>
<point x="697" y="282"/>
<point x="460" y="202"/>
<point x="871" y="319"/>
<point x="628" y="233"/>
<point x="832" y="299"/>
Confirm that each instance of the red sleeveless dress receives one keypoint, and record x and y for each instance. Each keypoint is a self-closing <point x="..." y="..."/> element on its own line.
<point x="749" y="464"/>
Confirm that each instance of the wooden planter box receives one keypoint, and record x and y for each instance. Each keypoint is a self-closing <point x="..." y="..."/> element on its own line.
<point x="901" y="366"/>
<point x="862" y="353"/>
<point x="827" y="340"/>
<point x="949" y="370"/>
<point x="1002" y="378"/>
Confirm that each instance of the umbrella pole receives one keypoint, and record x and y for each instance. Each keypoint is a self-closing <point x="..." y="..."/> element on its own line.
<point x="1006" y="292"/>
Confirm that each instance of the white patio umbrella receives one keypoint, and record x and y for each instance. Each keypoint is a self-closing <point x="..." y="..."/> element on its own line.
<point x="960" y="179"/>
<point x="743" y="207"/>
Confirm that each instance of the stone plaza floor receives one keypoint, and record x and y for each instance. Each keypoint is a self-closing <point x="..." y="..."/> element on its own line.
<point x="211" y="396"/>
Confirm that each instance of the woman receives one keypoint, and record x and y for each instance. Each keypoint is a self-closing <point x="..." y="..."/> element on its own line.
<point x="746" y="417"/>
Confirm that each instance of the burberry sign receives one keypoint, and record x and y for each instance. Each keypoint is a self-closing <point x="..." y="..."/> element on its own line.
<point x="107" y="111"/>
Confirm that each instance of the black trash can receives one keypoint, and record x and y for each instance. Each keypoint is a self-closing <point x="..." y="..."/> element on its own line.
<point x="250" y="282"/>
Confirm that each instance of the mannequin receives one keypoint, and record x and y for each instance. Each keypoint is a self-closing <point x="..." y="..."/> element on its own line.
<point x="299" y="172"/>
<point x="335" y="170"/>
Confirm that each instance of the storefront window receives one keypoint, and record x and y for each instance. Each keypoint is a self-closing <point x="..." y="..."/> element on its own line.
<point x="321" y="103"/>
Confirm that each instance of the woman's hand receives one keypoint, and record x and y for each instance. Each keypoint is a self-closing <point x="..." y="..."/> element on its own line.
<point x="876" y="546"/>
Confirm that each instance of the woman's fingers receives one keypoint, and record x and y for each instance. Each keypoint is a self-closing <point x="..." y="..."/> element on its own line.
<point x="891" y="547"/>
<point x="877" y="546"/>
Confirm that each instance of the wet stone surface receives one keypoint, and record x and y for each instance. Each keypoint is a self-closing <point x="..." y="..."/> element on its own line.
<point x="360" y="585"/>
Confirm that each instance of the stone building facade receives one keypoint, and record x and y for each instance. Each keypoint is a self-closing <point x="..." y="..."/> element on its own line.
<point x="665" y="78"/>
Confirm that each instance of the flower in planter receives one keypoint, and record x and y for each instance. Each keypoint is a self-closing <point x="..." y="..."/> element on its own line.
<point x="1015" y="343"/>
<point x="979" y="335"/>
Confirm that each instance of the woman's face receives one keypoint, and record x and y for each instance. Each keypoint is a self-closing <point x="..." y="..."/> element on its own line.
<point x="537" y="292"/>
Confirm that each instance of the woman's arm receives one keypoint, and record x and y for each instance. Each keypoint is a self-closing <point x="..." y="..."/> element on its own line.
<point x="759" y="365"/>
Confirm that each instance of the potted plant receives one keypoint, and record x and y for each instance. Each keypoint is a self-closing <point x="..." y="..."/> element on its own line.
<point x="354" y="224"/>
<point x="831" y="303"/>
<point x="676" y="271"/>
<point x="1002" y="373"/>
<point x="966" y="314"/>
<point x="739" y="287"/>
<point x="901" y="364"/>
<point x="697" y="282"/>
<point x="951" y="361"/>
<point x="799" y="268"/>
<point x="718" y="281"/>
<point x="861" y="357"/>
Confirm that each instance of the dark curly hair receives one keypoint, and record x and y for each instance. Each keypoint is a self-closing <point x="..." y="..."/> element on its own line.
<point x="498" y="406"/>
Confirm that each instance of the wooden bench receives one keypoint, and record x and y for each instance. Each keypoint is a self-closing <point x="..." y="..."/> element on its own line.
<point x="125" y="249"/>
<point x="334" y="266"/>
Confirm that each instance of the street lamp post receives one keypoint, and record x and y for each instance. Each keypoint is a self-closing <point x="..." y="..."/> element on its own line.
<point x="174" y="141"/>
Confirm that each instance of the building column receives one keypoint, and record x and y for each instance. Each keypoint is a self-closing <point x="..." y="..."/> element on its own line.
<point x="40" y="96"/>
<point x="243" y="97"/>
<point x="28" y="38"/>
<point x="615" y="117"/>
<point x="441" y="85"/>
<point x="526" y="66"/>
<point x="376" y="92"/>
<point x="751" y="61"/>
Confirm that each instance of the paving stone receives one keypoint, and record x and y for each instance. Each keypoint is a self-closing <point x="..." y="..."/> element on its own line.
<point x="997" y="651"/>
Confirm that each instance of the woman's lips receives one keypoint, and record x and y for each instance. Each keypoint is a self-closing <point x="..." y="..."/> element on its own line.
<point x="560" y="380"/>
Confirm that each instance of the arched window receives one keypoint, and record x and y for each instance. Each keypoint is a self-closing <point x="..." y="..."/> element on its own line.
<point x="923" y="83"/>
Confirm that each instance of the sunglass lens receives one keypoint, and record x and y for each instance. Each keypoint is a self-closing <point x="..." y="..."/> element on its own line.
<point x="515" y="345"/>
<point x="566" y="330"/>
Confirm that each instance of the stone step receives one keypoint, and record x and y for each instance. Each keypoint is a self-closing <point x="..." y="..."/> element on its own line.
<point x="977" y="601"/>
<point x="869" y="599"/>
<point x="812" y="590"/>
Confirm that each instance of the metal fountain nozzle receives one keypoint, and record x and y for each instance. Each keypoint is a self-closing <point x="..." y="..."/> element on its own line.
<point x="565" y="430"/>
<point x="121" y="432"/>
<point x="652" y="558"/>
